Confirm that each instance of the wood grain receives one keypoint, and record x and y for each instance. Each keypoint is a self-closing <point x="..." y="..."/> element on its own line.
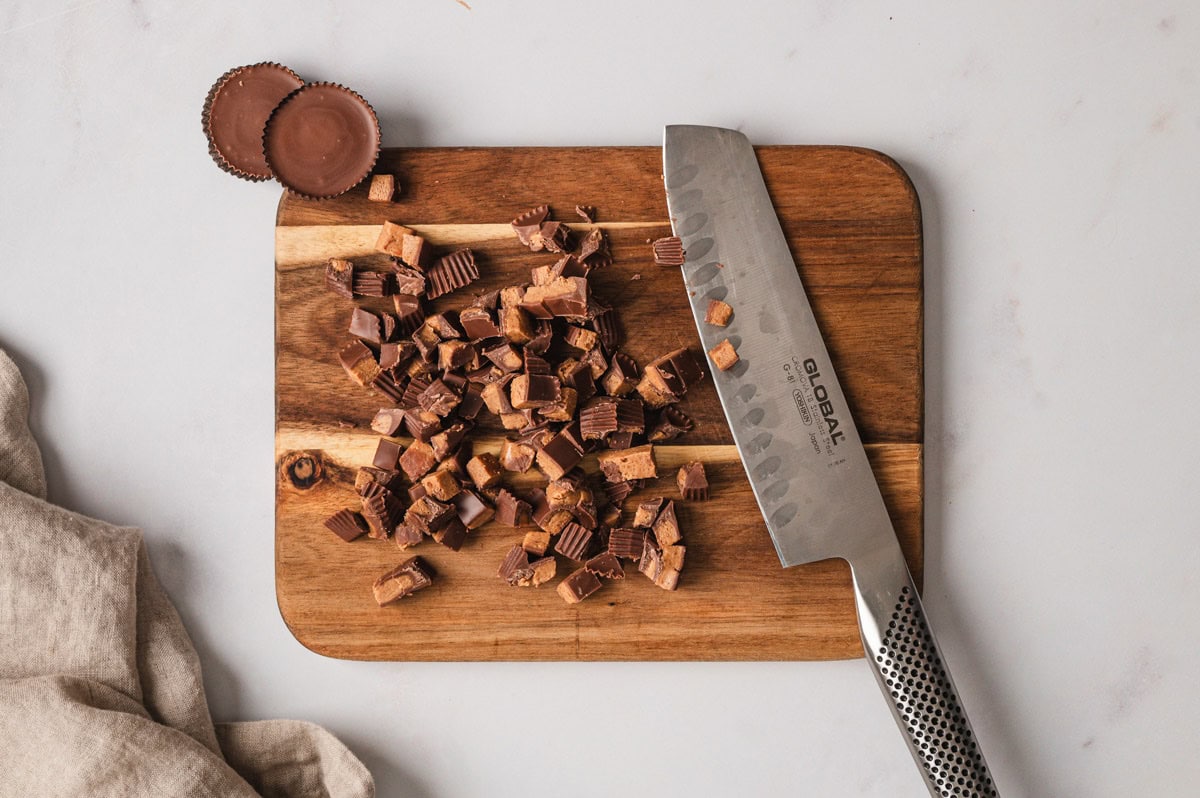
<point x="853" y="223"/>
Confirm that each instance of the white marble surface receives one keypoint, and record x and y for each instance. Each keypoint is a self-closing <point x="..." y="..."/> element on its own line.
<point x="1054" y="147"/>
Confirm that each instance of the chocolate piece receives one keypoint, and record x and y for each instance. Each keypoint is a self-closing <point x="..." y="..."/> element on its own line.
<point x="666" y="526"/>
<point x="389" y="328"/>
<point x="672" y="557"/>
<point x="666" y="379"/>
<point x="510" y="510"/>
<point x="635" y="463"/>
<point x="448" y="441"/>
<point x="388" y="421"/>
<point x="339" y="277"/>
<point x="536" y="542"/>
<point x="236" y="112"/>
<point x="421" y="424"/>
<point x="538" y="435"/>
<point x="373" y="284"/>
<point x="348" y="525"/>
<point x="593" y="249"/>
<point x="495" y="396"/>
<point x="452" y="272"/>
<point x="723" y="355"/>
<point x="606" y="565"/>
<point x="456" y="354"/>
<point x="386" y="384"/>
<point x="416" y="491"/>
<point x="413" y="249"/>
<point x="651" y="562"/>
<point x="528" y="227"/>
<point x="571" y="433"/>
<point x="543" y="336"/>
<point x="417" y="460"/>
<point x="429" y="514"/>
<point x="684" y="364"/>
<point x="561" y="493"/>
<point x="410" y="314"/>
<point x="485" y="470"/>
<point x="567" y="296"/>
<point x="485" y="374"/>
<point x="622" y="375"/>
<point x="516" y="325"/>
<point x="452" y="535"/>
<point x="558" y="456"/>
<point x="630" y="415"/>
<point x="472" y="510"/>
<point x="365" y="325"/>
<point x="585" y="512"/>
<point x="472" y="402"/>
<point x="405" y="579"/>
<point x="627" y="543"/>
<point x="393" y="356"/>
<point x="718" y="313"/>
<point x="672" y="423"/>
<point x="406" y="535"/>
<point x="609" y="330"/>
<point x="369" y="476"/>
<point x="515" y="566"/>
<point x="408" y="280"/>
<point x="546" y="517"/>
<point x="569" y="266"/>
<point x="387" y="454"/>
<point x="441" y="485"/>
<point x="619" y="440"/>
<point x="647" y="511"/>
<point x="456" y="462"/>
<point x="554" y="235"/>
<point x="574" y="542"/>
<point x="543" y="571"/>
<point x="588" y="212"/>
<point x="668" y="251"/>
<point x="322" y="140"/>
<point x="618" y="492"/>
<point x="578" y="586"/>
<point x="477" y="323"/>
<point x="505" y="357"/>
<point x="516" y="456"/>
<point x="598" y="418"/>
<point x="563" y="409"/>
<point x="512" y="296"/>
<point x="582" y="339"/>
<point x="412" y="393"/>
<point x="441" y="327"/>
<point x="381" y="509"/>
<point x="692" y="482"/>
<point x="487" y="300"/>
<point x="359" y="363"/>
<point x="438" y="398"/>
<point x="533" y="391"/>
<point x="382" y="189"/>
<point x="536" y="364"/>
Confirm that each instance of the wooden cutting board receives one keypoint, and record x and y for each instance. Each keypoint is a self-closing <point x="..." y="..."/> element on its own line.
<point x="853" y="221"/>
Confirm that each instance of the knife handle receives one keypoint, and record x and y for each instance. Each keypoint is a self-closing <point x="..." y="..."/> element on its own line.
<point x="916" y="683"/>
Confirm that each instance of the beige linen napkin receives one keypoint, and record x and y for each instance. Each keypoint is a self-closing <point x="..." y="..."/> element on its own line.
<point x="100" y="689"/>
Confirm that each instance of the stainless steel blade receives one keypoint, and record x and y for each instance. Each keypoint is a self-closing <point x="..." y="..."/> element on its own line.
<point x="789" y="418"/>
<point x="798" y="443"/>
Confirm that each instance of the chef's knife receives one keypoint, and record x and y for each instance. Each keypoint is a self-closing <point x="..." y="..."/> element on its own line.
<point x="799" y="445"/>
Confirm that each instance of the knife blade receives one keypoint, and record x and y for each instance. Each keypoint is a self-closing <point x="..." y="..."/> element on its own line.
<point x="799" y="445"/>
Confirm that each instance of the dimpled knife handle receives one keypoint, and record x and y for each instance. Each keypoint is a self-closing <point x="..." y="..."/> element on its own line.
<point x="917" y="685"/>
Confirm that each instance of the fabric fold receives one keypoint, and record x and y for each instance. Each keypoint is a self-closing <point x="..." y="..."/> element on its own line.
<point x="100" y="686"/>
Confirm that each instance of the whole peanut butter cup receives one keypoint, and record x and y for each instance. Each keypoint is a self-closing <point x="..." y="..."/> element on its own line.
<point x="322" y="140"/>
<point x="236" y="112"/>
